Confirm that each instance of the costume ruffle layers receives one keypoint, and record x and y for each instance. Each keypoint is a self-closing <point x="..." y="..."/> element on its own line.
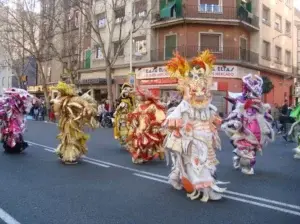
<point x="192" y="130"/>
<point x="74" y="112"/>
<point x="145" y="137"/>
<point x="249" y="126"/>
<point x="14" y="104"/>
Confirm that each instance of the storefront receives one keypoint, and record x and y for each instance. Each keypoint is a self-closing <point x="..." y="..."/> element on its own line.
<point x="39" y="93"/>
<point x="158" y="81"/>
<point x="227" y="78"/>
<point x="95" y="80"/>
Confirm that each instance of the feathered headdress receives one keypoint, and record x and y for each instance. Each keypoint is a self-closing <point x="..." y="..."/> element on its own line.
<point x="65" y="89"/>
<point x="200" y="69"/>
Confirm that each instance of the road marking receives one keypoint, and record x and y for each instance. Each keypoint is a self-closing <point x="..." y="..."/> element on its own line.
<point x="237" y="198"/>
<point x="263" y="205"/>
<point x="163" y="179"/>
<point x="264" y="200"/>
<point x="47" y="148"/>
<point x="7" y="218"/>
<point x="151" y="178"/>
<point x="85" y="160"/>
<point x="97" y="164"/>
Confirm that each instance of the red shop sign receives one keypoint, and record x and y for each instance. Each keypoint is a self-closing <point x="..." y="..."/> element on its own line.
<point x="159" y="81"/>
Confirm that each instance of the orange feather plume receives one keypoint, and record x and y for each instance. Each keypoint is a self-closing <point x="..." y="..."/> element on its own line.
<point x="204" y="58"/>
<point x="178" y="65"/>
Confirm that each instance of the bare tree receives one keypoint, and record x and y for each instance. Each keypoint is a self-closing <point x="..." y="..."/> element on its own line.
<point x="32" y="32"/>
<point x="13" y="57"/>
<point x="113" y="14"/>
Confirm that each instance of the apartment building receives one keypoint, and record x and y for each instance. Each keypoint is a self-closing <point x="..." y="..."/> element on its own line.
<point x="246" y="37"/>
<point x="63" y="58"/>
<point x="296" y="55"/>
<point x="93" y="76"/>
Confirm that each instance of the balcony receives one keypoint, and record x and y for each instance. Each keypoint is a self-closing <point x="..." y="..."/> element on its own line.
<point x="226" y="54"/>
<point x="208" y="14"/>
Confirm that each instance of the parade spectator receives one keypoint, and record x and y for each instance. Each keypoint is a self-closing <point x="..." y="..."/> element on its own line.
<point x="275" y="112"/>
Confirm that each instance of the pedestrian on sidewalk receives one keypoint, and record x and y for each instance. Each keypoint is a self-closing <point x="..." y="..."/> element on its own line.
<point x="275" y="112"/>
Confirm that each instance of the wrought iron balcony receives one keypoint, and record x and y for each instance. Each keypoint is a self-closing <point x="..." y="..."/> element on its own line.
<point x="234" y="54"/>
<point x="210" y="14"/>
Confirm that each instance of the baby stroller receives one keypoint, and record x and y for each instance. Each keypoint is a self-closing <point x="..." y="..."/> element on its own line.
<point x="106" y="121"/>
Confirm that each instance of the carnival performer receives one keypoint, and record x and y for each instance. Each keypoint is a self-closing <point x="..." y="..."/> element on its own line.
<point x="125" y="107"/>
<point x="294" y="132"/>
<point x="14" y="104"/>
<point x="249" y="125"/>
<point x="74" y="112"/>
<point x="145" y="137"/>
<point x="193" y="135"/>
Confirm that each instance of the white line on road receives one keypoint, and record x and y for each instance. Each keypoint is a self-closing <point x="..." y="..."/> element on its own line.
<point x="85" y="160"/>
<point x="47" y="148"/>
<point x="237" y="198"/>
<point x="161" y="178"/>
<point x="264" y="200"/>
<point x="263" y="205"/>
<point x="151" y="178"/>
<point x="7" y="218"/>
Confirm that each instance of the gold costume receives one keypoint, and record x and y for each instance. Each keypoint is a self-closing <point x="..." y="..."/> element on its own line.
<point x="125" y="107"/>
<point x="74" y="113"/>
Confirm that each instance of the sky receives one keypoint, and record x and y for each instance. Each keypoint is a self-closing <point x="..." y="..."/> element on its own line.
<point x="297" y="4"/>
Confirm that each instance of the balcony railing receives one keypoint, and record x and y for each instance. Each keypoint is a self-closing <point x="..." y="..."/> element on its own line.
<point x="213" y="12"/>
<point x="224" y="53"/>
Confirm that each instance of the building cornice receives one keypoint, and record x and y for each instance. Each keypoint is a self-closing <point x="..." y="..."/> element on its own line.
<point x="258" y="67"/>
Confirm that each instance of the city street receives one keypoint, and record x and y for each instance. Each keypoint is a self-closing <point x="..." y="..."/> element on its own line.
<point x="106" y="188"/>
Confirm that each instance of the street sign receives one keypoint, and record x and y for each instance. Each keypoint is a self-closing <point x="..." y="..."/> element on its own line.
<point x="131" y="79"/>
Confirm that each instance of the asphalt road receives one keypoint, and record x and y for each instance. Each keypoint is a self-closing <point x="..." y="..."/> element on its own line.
<point x="106" y="188"/>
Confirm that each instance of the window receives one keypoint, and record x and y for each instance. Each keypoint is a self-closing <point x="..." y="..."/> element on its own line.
<point x="278" y="22"/>
<point x="211" y="6"/>
<point x="99" y="53"/>
<point x="76" y="19"/>
<point x="243" y="48"/>
<point x="87" y="62"/>
<point x="266" y="50"/>
<point x="116" y="46"/>
<point x="170" y="45"/>
<point x="140" y="8"/>
<point x="101" y="19"/>
<point x="140" y="45"/>
<point x="277" y="54"/>
<point x="287" y="58"/>
<point x="120" y="14"/>
<point x="266" y="15"/>
<point x="287" y="27"/>
<point x="211" y="41"/>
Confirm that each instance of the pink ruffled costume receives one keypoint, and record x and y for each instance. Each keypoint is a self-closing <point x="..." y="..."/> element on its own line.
<point x="13" y="106"/>
<point x="249" y="125"/>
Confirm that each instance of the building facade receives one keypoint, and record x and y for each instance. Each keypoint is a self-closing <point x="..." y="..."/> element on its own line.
<point x="93" y="75"/>
<point x="246" y="37"/>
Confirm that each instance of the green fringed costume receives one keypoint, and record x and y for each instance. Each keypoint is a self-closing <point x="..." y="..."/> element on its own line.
<point x="294" y="132"/>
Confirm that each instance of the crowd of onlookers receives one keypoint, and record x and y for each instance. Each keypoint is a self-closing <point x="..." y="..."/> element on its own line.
<point x="281" y="116"/>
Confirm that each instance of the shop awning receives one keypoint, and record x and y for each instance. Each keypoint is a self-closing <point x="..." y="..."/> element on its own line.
<point x="166" y="12"/>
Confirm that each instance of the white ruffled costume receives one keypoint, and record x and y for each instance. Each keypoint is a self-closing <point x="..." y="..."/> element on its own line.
<point x="192" y="141"/>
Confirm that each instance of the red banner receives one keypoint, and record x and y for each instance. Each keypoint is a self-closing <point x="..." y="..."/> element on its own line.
<point x="159" y="81"/>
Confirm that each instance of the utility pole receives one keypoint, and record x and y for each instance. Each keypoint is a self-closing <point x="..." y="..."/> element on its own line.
<point x="130" y="44"/>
